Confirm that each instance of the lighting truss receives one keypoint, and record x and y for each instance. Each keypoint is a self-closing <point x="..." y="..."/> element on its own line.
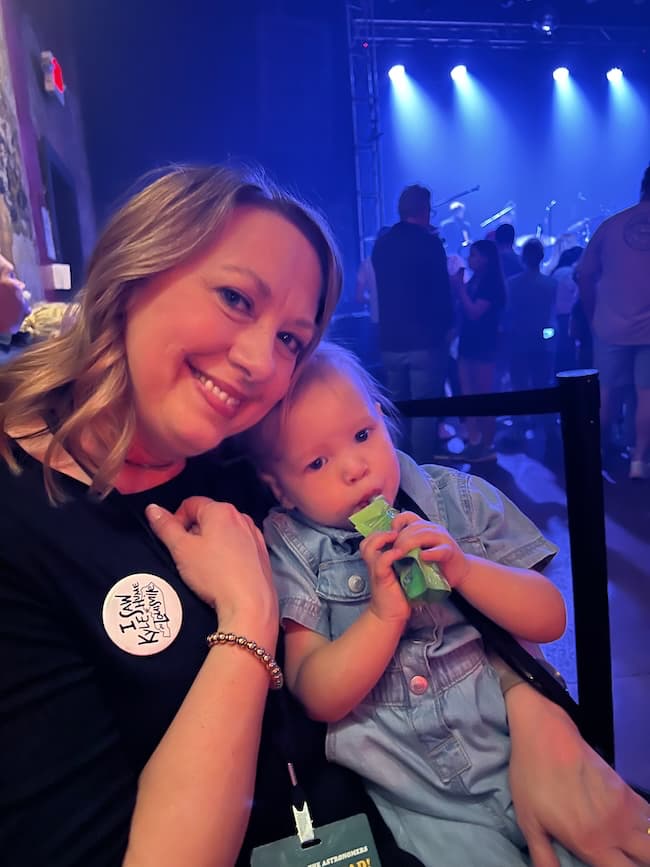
<point x="496" y="34"/>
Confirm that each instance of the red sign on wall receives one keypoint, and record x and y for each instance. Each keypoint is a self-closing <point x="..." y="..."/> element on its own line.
<point x="52" y="75"/>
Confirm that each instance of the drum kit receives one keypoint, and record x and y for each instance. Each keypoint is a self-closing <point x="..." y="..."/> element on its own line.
<point x="577" y="234"/>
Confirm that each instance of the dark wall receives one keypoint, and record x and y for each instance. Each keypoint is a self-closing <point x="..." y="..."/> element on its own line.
<point x="204" y="81"/>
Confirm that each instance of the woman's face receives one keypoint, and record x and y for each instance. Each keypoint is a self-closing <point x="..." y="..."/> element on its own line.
<point x="212" y="343"/>
<point x="476" y="261"/>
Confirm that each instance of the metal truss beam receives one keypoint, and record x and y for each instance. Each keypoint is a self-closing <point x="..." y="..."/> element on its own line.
<point x="495" y="33"/>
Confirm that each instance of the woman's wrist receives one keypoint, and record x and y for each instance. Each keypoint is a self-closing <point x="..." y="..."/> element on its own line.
<point x="525" y="703"/>
<point x="258" y="651"/>
<point x="263" y="630"/>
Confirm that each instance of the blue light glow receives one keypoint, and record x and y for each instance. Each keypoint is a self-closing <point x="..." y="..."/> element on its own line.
<point x="561" y="74"/>
<point x="397" y="73"/>
<point x="459" y="73"/>
<point x="615" y="75"/>
<point x="415" y="127"/>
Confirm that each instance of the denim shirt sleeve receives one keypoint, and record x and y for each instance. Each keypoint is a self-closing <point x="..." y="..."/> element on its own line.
<point x="294" y="575"/>
<point x="505" y="533"/>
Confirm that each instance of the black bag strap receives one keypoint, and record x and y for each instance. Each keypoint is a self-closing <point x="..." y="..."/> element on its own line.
<point x="506" y="646"/>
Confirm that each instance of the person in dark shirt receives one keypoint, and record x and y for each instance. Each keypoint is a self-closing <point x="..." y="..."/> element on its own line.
<point x="415" y="312"/>
<point x="482" y="300"/>
<point x="504" y="238"/>
<point x="530" y="318"/>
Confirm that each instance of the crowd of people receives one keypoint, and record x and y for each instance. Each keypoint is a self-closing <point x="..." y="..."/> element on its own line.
<point x="519" y="316"/>
<point x="143" y="717"/>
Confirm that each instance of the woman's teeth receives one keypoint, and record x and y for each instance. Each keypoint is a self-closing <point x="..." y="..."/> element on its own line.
<point x="223" y="396"/>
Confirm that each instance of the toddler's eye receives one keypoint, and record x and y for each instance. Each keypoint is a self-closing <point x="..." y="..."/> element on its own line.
<point x="362" y="435"/>
<point x="318" y="464"/>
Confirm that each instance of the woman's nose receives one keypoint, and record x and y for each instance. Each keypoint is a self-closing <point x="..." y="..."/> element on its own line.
<point x="253" y="351"/>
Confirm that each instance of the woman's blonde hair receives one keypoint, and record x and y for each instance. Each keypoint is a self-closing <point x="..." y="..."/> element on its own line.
<point x="79" y="381"/>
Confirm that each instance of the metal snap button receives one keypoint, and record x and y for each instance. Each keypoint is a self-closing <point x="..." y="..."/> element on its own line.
<point x="418" y="684"/>
<point x="356" y="583"/>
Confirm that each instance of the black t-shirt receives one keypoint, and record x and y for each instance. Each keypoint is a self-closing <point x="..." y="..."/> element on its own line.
<point x="413" y="292"/>
<point x="479" y="338"/>
<point x="79" y="717"/>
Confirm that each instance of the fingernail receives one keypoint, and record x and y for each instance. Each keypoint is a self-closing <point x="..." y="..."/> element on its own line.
<point x="154" y="512"/>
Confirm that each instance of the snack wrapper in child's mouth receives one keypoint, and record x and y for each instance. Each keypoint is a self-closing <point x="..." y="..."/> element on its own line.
<point x="421" y="582"/>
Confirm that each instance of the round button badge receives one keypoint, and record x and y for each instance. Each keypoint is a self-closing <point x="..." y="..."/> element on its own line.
<point x="142" y="614"/>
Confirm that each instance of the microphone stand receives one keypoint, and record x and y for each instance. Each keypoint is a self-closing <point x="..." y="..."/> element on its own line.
<point x="464" y="193"/>
<point x="549" y="217"/>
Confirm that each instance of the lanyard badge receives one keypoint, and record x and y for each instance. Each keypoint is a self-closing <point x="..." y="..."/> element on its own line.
<point x="346" y="843"/>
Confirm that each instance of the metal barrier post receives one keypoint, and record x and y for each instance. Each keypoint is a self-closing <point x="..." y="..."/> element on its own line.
<point x="580" y="405"/>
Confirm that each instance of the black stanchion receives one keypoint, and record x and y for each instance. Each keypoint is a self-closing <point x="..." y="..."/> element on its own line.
<point x="579" y="413"/>
<point x="577" y="399"/>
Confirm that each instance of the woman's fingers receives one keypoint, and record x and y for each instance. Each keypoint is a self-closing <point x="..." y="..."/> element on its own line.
<point x="218" y="551"/>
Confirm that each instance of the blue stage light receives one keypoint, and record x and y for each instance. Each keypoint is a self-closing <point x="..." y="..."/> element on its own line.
<point x="615" y="75"/>
<point x="459" y="73"/>
<point x="397" y="73"/>
<point x="561" y="74"/>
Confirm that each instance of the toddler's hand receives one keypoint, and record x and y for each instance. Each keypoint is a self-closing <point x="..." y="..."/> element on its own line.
<point x="436" y="544"/>
<point x="388" y="600"/>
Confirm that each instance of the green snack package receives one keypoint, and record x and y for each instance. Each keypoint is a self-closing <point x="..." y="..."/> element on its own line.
<point x="421" y="582"/>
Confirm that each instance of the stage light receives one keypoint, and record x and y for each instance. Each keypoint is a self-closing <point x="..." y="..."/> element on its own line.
<point x="397" y="73"/>
<point x="459" y="73"/>
<point x="546" y="23"/>
<point x="615" y="75"/>
<point x="561" y="74"/>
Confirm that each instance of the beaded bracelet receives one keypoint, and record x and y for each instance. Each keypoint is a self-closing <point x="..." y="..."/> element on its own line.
<point x="274" y="670"/>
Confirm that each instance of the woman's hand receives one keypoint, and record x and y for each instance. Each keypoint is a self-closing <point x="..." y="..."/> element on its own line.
<point x="563" y="790"/>
<point x="435" y="543"/>
<point x="221" y="556"/>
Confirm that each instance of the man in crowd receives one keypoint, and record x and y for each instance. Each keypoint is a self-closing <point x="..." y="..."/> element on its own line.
<point x="455" y="231"/>
<point x="530" y="316"/>
<point x="614" y="281"/>
<point x="415" y="312"/>
<point x="504" y="238"/>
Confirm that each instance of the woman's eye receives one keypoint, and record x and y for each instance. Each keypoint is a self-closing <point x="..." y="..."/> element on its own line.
<point x="318" y="464"/>
<point x="235" y="299"/>
<point x="362" y="435"/>
<point x="293" y="344"/>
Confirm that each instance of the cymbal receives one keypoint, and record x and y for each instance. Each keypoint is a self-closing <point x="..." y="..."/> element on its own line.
<point x="547" y="240"/>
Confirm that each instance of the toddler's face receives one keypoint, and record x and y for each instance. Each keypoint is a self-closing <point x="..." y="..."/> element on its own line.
<point x="338" y="453"/>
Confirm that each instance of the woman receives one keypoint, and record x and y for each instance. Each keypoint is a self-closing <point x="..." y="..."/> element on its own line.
<point x="125" y="741"/>
<point x="481" y="303"/>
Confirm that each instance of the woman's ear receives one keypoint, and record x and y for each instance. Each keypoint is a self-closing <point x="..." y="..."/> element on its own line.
<point x="278" y="490"/>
